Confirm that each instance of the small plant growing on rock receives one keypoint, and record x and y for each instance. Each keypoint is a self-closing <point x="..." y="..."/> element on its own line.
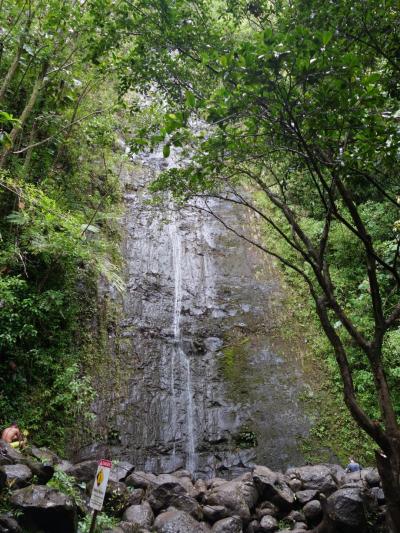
<point x="246" y="438"/>
<point x="103" y="522"/>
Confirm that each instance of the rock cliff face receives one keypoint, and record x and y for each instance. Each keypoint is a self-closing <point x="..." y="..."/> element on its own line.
<point x="206" y="381"/>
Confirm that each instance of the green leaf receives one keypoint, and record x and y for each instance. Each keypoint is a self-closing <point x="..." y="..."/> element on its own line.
<point x="190" y="99"/>
<point x="326" y="37"/>
<point x="166" y="150"/>
<point x="18" y="217"/>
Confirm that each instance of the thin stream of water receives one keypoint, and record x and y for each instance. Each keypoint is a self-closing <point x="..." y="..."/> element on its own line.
<point x="178" y="354"/>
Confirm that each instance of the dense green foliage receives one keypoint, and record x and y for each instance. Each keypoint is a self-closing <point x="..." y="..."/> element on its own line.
<point x="58" y="195"/>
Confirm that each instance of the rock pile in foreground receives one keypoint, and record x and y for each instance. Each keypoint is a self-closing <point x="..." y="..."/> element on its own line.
<point x="318" y="498"/>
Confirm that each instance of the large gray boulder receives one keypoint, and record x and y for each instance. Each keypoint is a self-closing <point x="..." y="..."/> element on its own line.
<point x="139" y="515"/>
<point x="44" y="455"/>
<point x="212" y="513"/>
<point x="232" y="524"/>
<point x="135" y="497"/>
<point x="346" y="509"/>
<point x="378" y="495"/>
<point x="371" y="476"/>
<point x="266" y="508"/>
<point x="201" y="489"/>
<point x="120" y="470"/>
<point x="268" y="524"/>
<point x="9" y="525"/>
<point x="304" y="496"/>
<point x="45" y="508"/>
<point x="170" y="492"/>
<point x="239" y="497"/>
<point x="315" y="477"/>
<point x="17" y="476"/>
<point x="83" y="471"/>
<point x="312" y="511"/>
<point x="272" y="486"/>
<point x="141" y="480"/>
<point x="175" y="521"/>
<point x="8" y="455"/>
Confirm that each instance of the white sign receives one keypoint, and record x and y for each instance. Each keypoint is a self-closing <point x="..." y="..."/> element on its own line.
<point x="100" y="485"/>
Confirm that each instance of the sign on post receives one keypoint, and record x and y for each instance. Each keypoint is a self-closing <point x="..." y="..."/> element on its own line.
<point x="100" y="485"/>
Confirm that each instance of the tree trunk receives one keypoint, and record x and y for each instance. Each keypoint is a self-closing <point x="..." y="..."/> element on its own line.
<point x="25" y="113"/>
<point x="15" y="62"/>
<point x="389" y="470"/>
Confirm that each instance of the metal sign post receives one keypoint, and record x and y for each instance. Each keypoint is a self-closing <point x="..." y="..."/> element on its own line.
<point x="99" y="490"/>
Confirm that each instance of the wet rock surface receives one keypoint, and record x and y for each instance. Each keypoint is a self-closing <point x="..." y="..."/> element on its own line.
<point x="202" y="364"/>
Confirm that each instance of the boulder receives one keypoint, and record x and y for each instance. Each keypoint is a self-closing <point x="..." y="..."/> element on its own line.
<point x="378" y="495"/>
<point x="187" y="484"/>
<point x="63" y="466"/>
<point x="8" y="455"/>
<point x="45" y="508"/>
<point x="216" y="482"/>
<point x="9" y="525"/>
<point x="295" y="516"/>
<point x="266" y="508"/>
<point x="43" y="472"/>
<point x="272" y="486"/>
<point x="300" y="525"/>
<point x="336" y="470"/>
<point x="44" y="455"/>
<point x="139" y="515"/>
<point x="346" y="509"/>
<point x="120" y="470"/>
<point x="174" y="521"/>
<point x="312" y="511"/>
<point x="170" y="492"/>
<point x="17" y="476"/>
<point x="371" y="476"/>
<point x="253" y="527"/>
<point x="135" y="496"/>
<point x="212" y="513"/>
<point x="182" y="473"/>
<point x="83" y="471"/>
<point x="237" y="496"/>
<point x="304" y="496"/>
<point x="201" y="489"/>
<point x="233" y="524"/>
<point x="268" y="524"/>
<point x="295" y="484"/>
<point x="315" y="477"/>
<point x="141" y="480"/>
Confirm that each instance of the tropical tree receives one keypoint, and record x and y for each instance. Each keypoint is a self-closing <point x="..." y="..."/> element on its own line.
<point x="300" y="110"/>
<point x="58" y="194"/>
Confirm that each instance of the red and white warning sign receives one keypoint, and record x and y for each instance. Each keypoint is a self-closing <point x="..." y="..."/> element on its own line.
<point x="100" y="485"/>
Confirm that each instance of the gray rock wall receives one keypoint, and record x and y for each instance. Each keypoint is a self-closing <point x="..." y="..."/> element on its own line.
<point x="205" y="380"/>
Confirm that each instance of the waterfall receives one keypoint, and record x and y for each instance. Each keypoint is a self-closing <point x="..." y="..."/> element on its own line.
<point x="197" y="340"/>
<point x="179" y="357"/>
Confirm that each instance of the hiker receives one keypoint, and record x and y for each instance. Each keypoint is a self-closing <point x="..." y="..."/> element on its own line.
<point x="353" y="466"/>
<point x="13" y="436"/>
